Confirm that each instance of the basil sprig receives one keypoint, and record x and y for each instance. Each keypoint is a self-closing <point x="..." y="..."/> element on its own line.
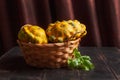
<point x="80" y="62"/>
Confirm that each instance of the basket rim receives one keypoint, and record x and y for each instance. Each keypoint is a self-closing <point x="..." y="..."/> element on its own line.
<point x="49" y="44"/>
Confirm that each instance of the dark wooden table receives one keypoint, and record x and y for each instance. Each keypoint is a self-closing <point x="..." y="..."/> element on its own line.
<point x="105" y="59"/>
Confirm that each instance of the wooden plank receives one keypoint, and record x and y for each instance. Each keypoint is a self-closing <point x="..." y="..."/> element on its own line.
<point x="101" y="71"/>
<point x="13" y="67"/>
<point x="112" y="56"/>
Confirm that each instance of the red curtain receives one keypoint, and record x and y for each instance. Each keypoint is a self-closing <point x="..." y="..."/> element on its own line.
<point x="101" y="17"/>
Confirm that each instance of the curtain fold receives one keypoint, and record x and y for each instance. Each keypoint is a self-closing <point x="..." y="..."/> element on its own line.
<point x="85" y="11"/>
<point x="5" y="30"/>
<point x="108" y="22"/>
<point x="101" y="17"/>
<point x="61" y="10"/>
<point x="43" y="12"/>
<point x="27" y="11"/>
<point x="94" y="22"/>
<point x="115" y="14"/>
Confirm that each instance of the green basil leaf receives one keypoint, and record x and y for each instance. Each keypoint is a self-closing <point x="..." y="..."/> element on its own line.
<point x="80" y="62"/>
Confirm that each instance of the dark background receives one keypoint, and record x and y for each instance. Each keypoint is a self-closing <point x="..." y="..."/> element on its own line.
<point x="101" y="17"/>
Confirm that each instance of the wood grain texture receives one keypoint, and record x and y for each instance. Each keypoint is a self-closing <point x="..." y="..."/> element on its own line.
<point x="13" y="67"/>
<point x="112" y="57"/>
<point x="101" y="71"/>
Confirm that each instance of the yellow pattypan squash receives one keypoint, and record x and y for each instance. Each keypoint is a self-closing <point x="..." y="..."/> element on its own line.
<point x="65" y="30"/>
<point x="33" y="34"/>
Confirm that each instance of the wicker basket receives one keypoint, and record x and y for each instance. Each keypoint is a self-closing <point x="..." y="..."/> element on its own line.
<point x="52" y="55"/>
